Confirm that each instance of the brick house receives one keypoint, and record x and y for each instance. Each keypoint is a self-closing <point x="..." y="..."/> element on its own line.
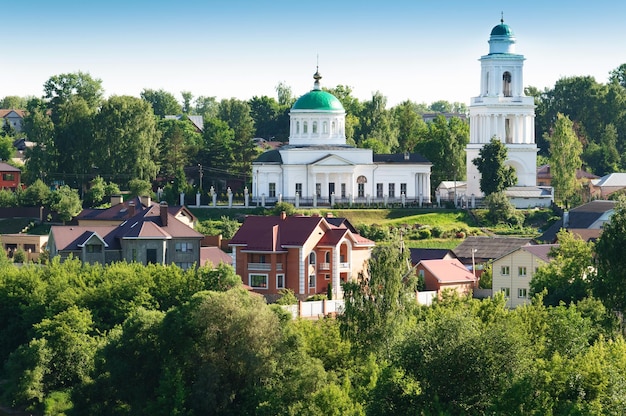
<point x="305" y="254"/>
<point x="152" y="235"/>
<point x="10" y="176"/>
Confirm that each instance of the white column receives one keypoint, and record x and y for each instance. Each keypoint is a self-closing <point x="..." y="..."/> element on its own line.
<point x="302" y="280"/>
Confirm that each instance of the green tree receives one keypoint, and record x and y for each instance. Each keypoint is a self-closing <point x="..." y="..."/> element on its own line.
<point x="66" y="202"/>
<point x="8" y="198"/>
<point x="179" y="144"/>
<point x="127" y="139"/>
<point x="139" y="187"/>
<point x="608" y="283"/>
<point x="377" y="304"/>
<point x="7" y="150"/>
<point x="217" y="154"/>
<point x="162" y="102"/>
<point x="37" y="194"/>
<point x="60" y="89"/>
<point x="500" y="210"/>
<point x="376" y="122"/>
<point x="237" y="114"/>
<point x="495" y="176"/>
<point x="567" y="276"/>
<point x="265" y="112"/>
<point x="565" y="151"/>
<point x="14" y="102"/>
<point x="99" y="189"/>
<point x="411" y="126"/>
<point x="39" y="128"/>
<point x="617" y="75"/>
<point x="187" y="97"/>
<point x="206" y="107"/>
<point x="285" y="94"/>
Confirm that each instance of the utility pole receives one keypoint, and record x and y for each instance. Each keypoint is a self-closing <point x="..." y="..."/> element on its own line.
<point x="200" y="172"/>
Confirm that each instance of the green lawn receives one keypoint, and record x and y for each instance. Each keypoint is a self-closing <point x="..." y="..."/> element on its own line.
<point x="13" y="225"/>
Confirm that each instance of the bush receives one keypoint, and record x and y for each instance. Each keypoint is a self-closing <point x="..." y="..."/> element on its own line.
<point x="437" y="231"/>
<point x="424" y="233"/>
<point x="287" y="297"/>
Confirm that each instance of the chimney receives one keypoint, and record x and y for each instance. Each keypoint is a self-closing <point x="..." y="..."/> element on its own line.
<point x="116" y="200"/>
<point x="163" y="213"/>
<point x="407" y="156"/>
<point x="565" y="219"/>
<point x="131" y="208"/>
<point x="283" y="215"/>
<point x="145" y="201"/>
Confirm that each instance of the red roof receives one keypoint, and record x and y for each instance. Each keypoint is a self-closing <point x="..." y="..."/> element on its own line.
<point x="214" y="255"/>
<point x="448" y="271"/>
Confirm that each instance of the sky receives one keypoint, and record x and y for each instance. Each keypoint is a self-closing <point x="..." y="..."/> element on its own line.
<point x="423" y="51"/>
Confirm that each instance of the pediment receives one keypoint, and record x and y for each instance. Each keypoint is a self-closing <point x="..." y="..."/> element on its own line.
<point x="332" y="160"/>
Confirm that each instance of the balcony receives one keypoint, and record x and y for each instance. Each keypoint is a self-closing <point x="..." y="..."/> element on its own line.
<point x="344" y="265"/>
<point x="324" y="266"/>
<point x="264" y="266"/>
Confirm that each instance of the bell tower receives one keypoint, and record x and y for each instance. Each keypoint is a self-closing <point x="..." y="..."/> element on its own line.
<point x="502" y="111"/>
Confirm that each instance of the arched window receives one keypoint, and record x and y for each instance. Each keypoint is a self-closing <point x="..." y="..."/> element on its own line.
<point x="327" y="259"/>
<point x="315" y="127"/>
<point x="325" y="127"/>
<point x="304" y="128"/>
<point x="312" y="258"/>
<point x="297" y="127"/>
<point x="333" y="127"/>
<point x="506" y="84"/>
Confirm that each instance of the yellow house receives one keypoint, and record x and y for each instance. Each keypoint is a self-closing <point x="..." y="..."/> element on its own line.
<point x="30" y="243"/>
<point x="513" y="271"/>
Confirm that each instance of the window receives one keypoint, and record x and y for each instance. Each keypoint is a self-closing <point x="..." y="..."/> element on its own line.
<point x="333" y="127"/>
<point x="94" y="248"/>
<point x="327" y="276"/>
<point x="315" y="127"/>
<point x="280" y="281"/>
<point x="297" y="127"/>
<point x="379" y="190"/>
<point x="312" y="281"/>
<point x="421" y="273"/>
<point x="392" y="190"/>
<point x="262" y="258"/>
<point x="133" y="254"/>
<point x="343" y="190"/>
<point x="361" y="190"/>
<point x="327" y="257"/>
<point x="29" y="248"/>
<point x="325" y="127"/>
<point x="521" y="271"/>
<point x="151" y="255"/>
<point x="312" y="258"/>
<point x="184" y="264"/>
<point x="504" y="270"/>
<point x="403" y="188"/>
<point x="506" y="84"/>
<point x="258" y="281"/>
<point x="522" y="293"/>
<point x="184" y="247"/>
<point x="318" y="189"/>
<point x="506" y="291"/>
<point x="8" y="177"/>
<point x="272" y="189"/>
<point x="299" y="189"/>
<point x="304" y="128"/>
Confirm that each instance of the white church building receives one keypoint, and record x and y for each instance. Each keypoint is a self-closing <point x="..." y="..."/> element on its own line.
<point x="503" y="111"/>
<point x="318" y="167"/>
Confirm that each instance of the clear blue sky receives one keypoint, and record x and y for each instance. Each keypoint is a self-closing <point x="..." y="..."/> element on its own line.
<point x="418" y="50"/>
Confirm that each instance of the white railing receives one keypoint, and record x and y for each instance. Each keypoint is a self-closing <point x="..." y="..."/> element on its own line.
<point x="344" y="265"/>
<point x="264" y="266"/>
<point x="324" y="266"/>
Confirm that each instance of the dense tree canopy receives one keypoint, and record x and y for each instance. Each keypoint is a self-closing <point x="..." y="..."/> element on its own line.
<point x="495" y="176"/>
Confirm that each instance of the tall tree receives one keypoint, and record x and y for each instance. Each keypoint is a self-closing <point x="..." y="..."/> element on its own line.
<point x="410" y="124"/>
<point x="264" y="111"/>
<point x="39" y="128"/>
<point x="206" y="107"/>
<point x="14" y="102"/>
<point x="608" y="284"/>
<point x="127" y="139"/>
<point x="495" y="176"/>
<point x="187" y="97"/>
<point x="568" y="275"/>
<point x="217" y="154"/>
<point x="618" y="75"/>
<point x="444" y="145"/>
<point x="379" y="301"/>
<point x="376" y="123"/>
<point x="179" y="144"/>
<point x="285" y="95"/>
<point x="565" y="151"/>
<point x="163" y="103"/>
<point x="237" y="114"/>
<point x="61" y="88"/>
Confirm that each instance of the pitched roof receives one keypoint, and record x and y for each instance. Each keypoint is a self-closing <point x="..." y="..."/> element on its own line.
<point x="275" y="233"/>
<point x="541" y="251"/>
<point x="5" y="167"/>
<point x="448" y="271"/>
<point x="146" y="224"/>
<point x="214" y="255"/>
<point x="487" y="248"/>
<point x="528" y="191"/>
<point x="580" y="218"/>
<point x="419" y="254"/>
<point x="612" y="179"/>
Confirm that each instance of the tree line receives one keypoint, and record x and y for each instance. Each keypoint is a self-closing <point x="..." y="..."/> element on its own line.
<point x="128" y="339"/>
<point x="79" y="134"/>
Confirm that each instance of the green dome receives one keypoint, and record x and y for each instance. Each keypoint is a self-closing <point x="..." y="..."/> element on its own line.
<point x="318" y="100"/>
<point x="502" y="30"/>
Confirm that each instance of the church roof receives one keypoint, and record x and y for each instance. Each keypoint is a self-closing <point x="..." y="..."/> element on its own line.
<point x="400" y="158"/>
<point x="502" y="30"/>
<point x="318" y="100"/>
<point x="270" y="156"/>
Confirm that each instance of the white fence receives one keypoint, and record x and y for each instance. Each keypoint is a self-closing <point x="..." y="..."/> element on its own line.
<point x="315" y="309"/>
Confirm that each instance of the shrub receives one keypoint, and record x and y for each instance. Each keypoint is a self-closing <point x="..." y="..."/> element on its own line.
<point x="437" y="231"/>
<point x="424" y="233"/>
<point x="287" y="297"/>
